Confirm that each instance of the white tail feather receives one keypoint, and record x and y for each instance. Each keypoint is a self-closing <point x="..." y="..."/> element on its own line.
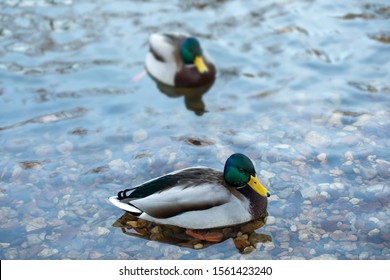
<point x="127" y="207"/>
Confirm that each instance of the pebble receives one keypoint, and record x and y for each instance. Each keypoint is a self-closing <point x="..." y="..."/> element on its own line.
<point x="282" y="146"/>
<point x="248" y="250"/>
<point x="61" y="214"/>
<point x="385" y="237"/>
<point x="375" y="188"/>
<point x="298" y="163"/>
<point x="35" y="223"/>
<point x="347" y="163"/>
<point x="155" y="230"/>
<point x="273" y="197"/>
<point x="270" y="220"/>
<point x="173" y="252"/>
<point x="349" y="246"/>
<point x="286" y="193"/>
<point x="349" y="128"/>
<point x="335" y="118"/>
<point x="86" y="228"/>
<point x="326" y="257"/>
<point x="318" y="199"/>
<point x="95" y="255"/>
<point x="46" y="252"/>
<point x="284" y="245"/>
<point x="316" y="139"/>
<point x="267" y="175"/>
<point x="119" y="255"/>
<point x="363" y="256"/>
<point x="382" y="161"/>
<point x="325" y="194"/>
<point x="283" y="236"/>
<point x="374" y="220"/>
<point x="352" y="237"/>
<point x="153" y="244"/>
<point x="100" y="231"/>
<point x="56" y="222"/>
<point x="371" y="158"/>
<point x="363" y="120"/>
<point x="309" y="192"/>
<point x="33" y="239"/>
<point x="140" y="135"/>
<point x="7" y="212"/>
<point x="337" y="235"/>
<point x="336" y="172"/>
<point x="324" y="186"/>
<point x="368" y="173"/>
<point x="321" y="157"/>
<point x="54" y="237"/>
<point x="81" y="212"/>
<point x="4" y="245"/>
<point x="293" y="228"/>
<point x="351" y="217"/>
<point x="383" y="169"/>
<point x="354" y="200"/>
<point x="268" y="246"/>
<point x="303" y="236"/>
<point x="11" y="254"/>
<point x="19" y="47"/>
<point x="348" y="155"/>
<point x="325" y="235"/>
<point x="198" y="246"/>
<point x="337" y="186"/>
<point x="373" y="232"/>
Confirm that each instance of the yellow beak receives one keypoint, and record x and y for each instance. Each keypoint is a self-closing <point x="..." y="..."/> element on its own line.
<point x="200" y="65"/>
<point x="255" y="184"/>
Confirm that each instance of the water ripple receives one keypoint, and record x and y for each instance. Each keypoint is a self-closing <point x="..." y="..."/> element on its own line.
<point x="50" y="118"/>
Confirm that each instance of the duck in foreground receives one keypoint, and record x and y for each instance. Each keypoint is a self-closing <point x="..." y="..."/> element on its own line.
<point x="199" y="197"/>
<point x="178" y="60"/>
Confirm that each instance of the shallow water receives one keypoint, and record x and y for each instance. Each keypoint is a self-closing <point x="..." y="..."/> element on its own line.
<point x="302" y="88"/>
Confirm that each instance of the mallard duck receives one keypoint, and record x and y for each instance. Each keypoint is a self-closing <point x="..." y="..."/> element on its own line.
<point x="178" y="60"/>
<point x="199" y="197"/>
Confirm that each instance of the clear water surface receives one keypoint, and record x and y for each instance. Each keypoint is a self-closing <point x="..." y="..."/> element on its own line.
<point x="303" y="88"/>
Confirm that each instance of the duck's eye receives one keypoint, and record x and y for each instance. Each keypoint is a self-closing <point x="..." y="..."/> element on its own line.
<point x="241" y="169"/>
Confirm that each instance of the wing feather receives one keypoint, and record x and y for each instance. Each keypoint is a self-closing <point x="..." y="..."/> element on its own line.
<point x="164" y="47"/>
<point x="180" y="199"/>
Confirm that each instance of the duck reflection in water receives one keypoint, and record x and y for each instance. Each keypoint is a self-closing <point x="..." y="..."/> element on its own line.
<point x="192" y="96"/>
<point x="244" y="236"/>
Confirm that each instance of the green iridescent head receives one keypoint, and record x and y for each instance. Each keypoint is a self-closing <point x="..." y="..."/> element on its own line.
<point x="239" y="172"/>
<point x="191" y="53"/>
